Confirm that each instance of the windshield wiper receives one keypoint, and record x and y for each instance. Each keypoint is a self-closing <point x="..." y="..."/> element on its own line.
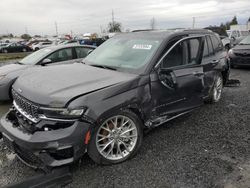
<point x="103" y="66"/>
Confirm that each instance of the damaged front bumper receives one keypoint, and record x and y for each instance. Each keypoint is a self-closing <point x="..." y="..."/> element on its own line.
<point x="45" y="148"/>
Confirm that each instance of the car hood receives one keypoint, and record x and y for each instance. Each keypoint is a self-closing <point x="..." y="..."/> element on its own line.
<point x="6" y="69"/>
<point x="242" y="47"/>
<point x="56" y="85"/>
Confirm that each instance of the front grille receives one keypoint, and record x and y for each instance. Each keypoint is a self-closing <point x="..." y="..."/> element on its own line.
<point x="26" y="106"/>
<point x="28" y="157"/>
<point x="243" y="54"/>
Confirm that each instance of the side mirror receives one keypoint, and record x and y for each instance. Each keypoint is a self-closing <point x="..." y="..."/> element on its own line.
<point x="89" y="52"/>
<point x="46" y="61"/>
<point x="168" y="78"/>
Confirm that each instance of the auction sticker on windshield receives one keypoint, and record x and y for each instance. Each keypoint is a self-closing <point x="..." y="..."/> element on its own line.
<point x="142" y="46"/>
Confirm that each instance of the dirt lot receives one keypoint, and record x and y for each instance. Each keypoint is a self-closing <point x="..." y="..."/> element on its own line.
<point x="210" y="148"/>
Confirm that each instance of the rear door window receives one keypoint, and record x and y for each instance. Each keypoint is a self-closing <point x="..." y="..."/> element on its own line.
<point x="210" y="46"/>
<point x="193" y="48"/>
<point x="205" y="49"/>
<point x="61" y="55"/>
<point x="216" y="44"/>
<point x="82" y="52"/>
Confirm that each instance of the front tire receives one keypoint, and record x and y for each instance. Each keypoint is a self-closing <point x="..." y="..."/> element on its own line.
<point x="216" y="91"/>
<point x="116" y="139"/>
<point x="24" y="50"/>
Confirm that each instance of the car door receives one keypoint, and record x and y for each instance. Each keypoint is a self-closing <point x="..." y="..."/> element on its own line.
<point x="179" y="83"/>
<point x="62" y="56"/>
<point x="12" y="47"/>
<point x="212" y="55"/>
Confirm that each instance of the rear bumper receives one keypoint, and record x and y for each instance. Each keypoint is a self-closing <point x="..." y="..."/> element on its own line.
<point x="43" y="149"/>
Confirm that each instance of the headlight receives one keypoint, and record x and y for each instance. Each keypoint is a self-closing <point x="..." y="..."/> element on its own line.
<point x="230" y="52"/>
<point x="61" y="113"/>
<point x="2" y="77"/>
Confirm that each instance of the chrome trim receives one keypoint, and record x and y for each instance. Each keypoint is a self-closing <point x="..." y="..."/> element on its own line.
<point x="28" y="116"/>
<point x="43" y="117"/>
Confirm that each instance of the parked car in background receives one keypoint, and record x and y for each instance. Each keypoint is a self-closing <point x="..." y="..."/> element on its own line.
<point x="14" y="47"/>
<point x="236" y="36"/>
<point x="131" y="82"/>
<point x="65" y="54"/>
<point x="41" y="45"/>
<point x="94" y="42"/>
<point x="70" y="42"/>
<point x="240" y="54"/>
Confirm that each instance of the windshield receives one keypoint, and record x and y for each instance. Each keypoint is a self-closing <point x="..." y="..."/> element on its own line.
<point x="123" y="53"/>
<point x="245" y="40"/>
<point x="35" y="57"/>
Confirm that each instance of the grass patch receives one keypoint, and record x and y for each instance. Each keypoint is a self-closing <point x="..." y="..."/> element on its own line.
<point x="12" y="56"/>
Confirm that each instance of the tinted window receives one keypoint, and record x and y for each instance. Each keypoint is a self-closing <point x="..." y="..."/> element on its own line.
<point x="205" y="50"/>
<point x="216" y="43"/>
<point x="185" y="52"/>
<point x="82" y="52"/>
<point x="194" y="46"/>
<point x="210" y="46"/>
<point x="61" y="55"/>
<point x="175" y="57"/>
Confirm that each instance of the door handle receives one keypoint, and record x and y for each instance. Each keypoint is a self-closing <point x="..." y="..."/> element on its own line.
<point x="215" y="62"/>
<point x="197" y="73"/>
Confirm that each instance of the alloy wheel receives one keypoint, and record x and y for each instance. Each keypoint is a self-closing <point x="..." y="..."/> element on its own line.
<point x="116" y="137"/>
<point x="218" y="89"/>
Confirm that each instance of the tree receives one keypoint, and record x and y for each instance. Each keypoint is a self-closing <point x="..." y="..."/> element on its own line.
<point x="114" y="27"/>
<point x="234" y="21"/>
<point x="26" y="36"/>
<point x="152" y="23"/>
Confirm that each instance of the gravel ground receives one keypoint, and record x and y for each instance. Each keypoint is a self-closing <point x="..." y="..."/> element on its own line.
<point x="209" y="148"/>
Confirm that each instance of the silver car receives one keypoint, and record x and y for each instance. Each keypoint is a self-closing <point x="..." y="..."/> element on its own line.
<point x="53" y="55"/>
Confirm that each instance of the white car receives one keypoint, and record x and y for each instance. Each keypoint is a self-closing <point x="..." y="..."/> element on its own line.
<point x="41" y="45"/>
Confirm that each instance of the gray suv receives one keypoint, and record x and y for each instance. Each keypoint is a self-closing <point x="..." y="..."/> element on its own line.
<point x="130" y="83"/>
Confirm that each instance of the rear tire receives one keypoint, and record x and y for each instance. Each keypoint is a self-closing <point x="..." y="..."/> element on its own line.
<point x="5" y="51"/>
<point x="216" y="91"/>
<point x="116" y="139"/>
<point x="24" y="50"/>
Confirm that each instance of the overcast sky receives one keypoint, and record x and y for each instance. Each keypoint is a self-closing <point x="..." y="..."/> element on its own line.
<point x="80" y="16"/>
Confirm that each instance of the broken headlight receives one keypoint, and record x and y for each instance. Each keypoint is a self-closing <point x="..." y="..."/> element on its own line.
<point x="61" y="113"/>
<point x="230" y="52"/>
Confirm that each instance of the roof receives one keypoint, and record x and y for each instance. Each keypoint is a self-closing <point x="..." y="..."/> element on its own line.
<point x="162" y="34"/>
<point x="57" y="47"/>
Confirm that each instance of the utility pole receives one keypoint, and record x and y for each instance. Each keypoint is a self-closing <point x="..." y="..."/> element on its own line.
<point x="193" y="22"/>
<point x="71" y="33"/>
<point x="56" y="28"/>
<point x="113" y="19"/>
